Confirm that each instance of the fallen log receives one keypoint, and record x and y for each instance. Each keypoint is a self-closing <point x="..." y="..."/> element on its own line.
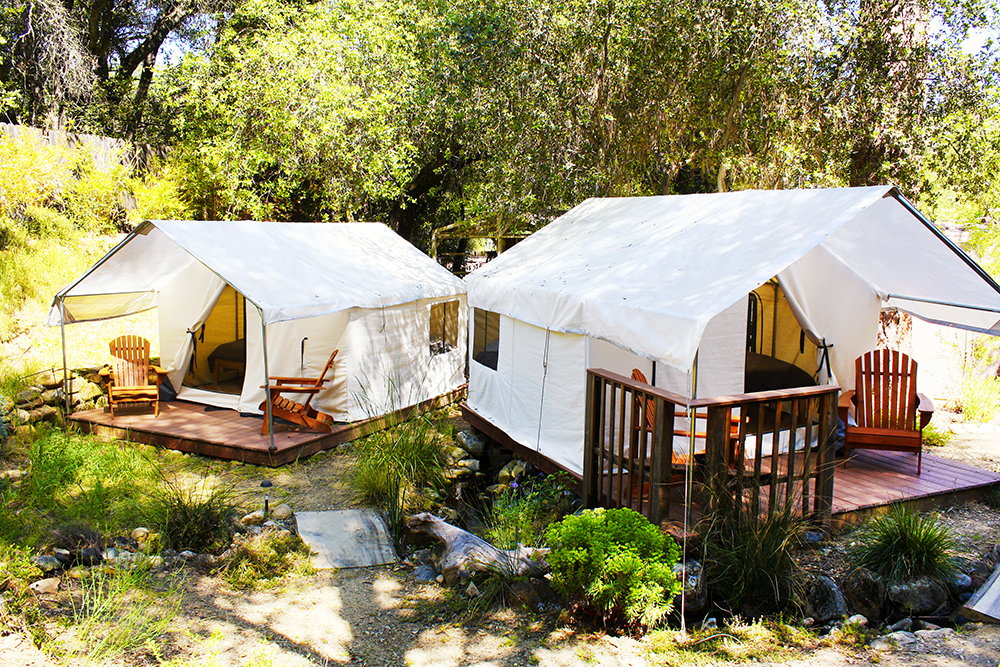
<point x="465" y="553"/>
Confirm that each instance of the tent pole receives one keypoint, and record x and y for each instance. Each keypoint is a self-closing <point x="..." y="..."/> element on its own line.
<point x="62" y="335"/>
<point x="267" y="383"/>
<point x="688" y="481"/>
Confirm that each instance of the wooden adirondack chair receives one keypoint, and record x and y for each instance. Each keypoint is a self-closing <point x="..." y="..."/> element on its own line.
<point x="299" y="413"/>
<point x="131" y="374"/>
<point x="889" y="412"/>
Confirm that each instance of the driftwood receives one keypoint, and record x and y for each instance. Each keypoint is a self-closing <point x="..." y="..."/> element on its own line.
<point x="465" y="553"/>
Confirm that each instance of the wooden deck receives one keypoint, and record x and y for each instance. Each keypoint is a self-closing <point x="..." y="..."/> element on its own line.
<point x="226" y="434"/>
<point x="870" y="482"/>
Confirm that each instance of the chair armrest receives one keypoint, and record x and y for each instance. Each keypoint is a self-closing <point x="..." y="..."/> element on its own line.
<point x="925" y="406"/>
<point x="844" y="405"/>
<point x="105" y="371"/>
<point x="293" y="389"/>
<point x="158" y="370"/>
<point x="284" y="380"/>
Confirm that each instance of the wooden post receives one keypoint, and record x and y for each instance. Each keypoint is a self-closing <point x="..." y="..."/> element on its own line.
<point x="823" y="507"/>
<point x="591" y="437"/>
<point x="716" y="444"/>
<point x="663" y="454"/>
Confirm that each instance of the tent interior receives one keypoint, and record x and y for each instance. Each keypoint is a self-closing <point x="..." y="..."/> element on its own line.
<point x="219" y="360"/>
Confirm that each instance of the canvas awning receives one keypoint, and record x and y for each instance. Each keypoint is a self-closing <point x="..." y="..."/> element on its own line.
<point x="288" y="270"/>
<point x="648" y="273"/>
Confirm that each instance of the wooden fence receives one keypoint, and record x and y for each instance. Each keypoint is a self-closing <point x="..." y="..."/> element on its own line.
<point x="764" y="452"/>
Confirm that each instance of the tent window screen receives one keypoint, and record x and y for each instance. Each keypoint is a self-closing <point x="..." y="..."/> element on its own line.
<point x="444" y="327"/>
<point x="486" y="337"/>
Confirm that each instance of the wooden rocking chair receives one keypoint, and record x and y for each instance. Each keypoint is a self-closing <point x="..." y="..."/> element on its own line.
<point x="299" y="413"/>
<point x="886" y="405"/>
<point x="131" y="373"/>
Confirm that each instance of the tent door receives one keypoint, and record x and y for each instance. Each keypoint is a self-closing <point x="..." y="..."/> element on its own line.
<point x="219" y="359"/>
<point x="779" y="354"/>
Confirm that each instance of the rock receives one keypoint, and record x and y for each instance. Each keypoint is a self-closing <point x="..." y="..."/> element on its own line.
<point x="924" y="625"/>
<point x="425" y="574"/>
<point x="470" y="442"/>
<point x="47" y="563"/>
<point x="938" y="633"/>
<point x="253" y="519"/>
<point x="965" y="597"/>
<point x="11" y="475"/>
<point x="960" y="583"/>
<point x="535" y="593"/>
<point x="468" y="464"/>
<point x="141" y="534"/>
<point x="453" y="454"/>
<point x="812" y="538"/>
<point x="51" y="396"/>
<point x="22" y="416"/>
<point x="155" y="561"/>
<point x="45" y="586"/>
<point x="87" y="392"/>
<point x="472" y="591"/>
<point x="422" y="557"/>
<point x="917" y="596"/>
<point x="709" y="623"/>
<point x="695" y="588"/>
<point x="87" y="556"/>
<point x="204" y="562"/>
<point x="63" y="555"/>
<point x="823" y="600"/>
<point x="440" y="577"/>
<point x="29" y="398"/>
<point x="452" y="474"/>
<point x="858" y="620"/>
<point x="451" y="515"/>
<point x="808" y="622"/>
<point x="995" y="553"/>
<point x="46" y="413"/>
<point x="903" y="625"/>
<point x="6" y="405"/>
<point x="50" y="379"/>
<point x="78" y="572"/>
<point x="497" y="489"/>
<point x="894" y="639"/>
<point x="511" y="471"/>
<point x="282" y="512"/>
<point x="187" y="555"/>
<point x="979" y="572"/>
<point x="865" y="592"/>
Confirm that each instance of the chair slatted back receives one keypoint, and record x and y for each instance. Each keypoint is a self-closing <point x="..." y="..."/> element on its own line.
<point x="639" y="376"/>
<point x="131" y="361"/>
<point x="322" y="376"/>
<point x="886" y="390"/>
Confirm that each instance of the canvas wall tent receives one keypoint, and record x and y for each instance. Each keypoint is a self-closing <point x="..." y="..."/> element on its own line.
<point x="397" y="317"/>
<point x="662" y="284"/>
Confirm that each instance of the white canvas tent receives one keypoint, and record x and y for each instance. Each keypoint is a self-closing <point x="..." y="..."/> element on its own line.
<point x="312" y="288"/>
<point x="661" y="284"/>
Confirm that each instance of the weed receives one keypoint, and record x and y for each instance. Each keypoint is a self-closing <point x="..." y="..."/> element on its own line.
<point x="521" y="514"/>
<point x="902" y="543"/>
<point x="759" y="641"/>
<point x="750" y="560"/>
<point x="980" y="397"/>
<point x="118" y="614"/>
<point x="263" y="560"/>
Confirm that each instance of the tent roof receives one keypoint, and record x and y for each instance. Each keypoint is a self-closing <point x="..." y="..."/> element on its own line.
<point x="288" y="270"/>
<point x="648" y="273"/>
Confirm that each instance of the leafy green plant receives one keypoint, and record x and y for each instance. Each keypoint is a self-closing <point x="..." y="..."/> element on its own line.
<point x="521" y="514"/>
<point x="616" y="564"/>
<point x="980" y="397"/>
<point x="936" y="437"/>
<point x="263" y="560"/>
<point x="194" y="517"/>
<point x="749" y="559"/>
<point x="902" y="543"/>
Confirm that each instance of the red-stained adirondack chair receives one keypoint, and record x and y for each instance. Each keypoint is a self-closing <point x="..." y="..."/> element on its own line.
<point x="889" y="412"/>
<point x="299" y="413"/>
<point x="131" y="374"/>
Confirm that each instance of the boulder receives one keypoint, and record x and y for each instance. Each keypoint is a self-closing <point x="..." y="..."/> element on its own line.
<point x="45" y="586"/>
<point x="470" y="442"/>
<point x="51" y="396"/>
<point x="6" y="405"/>
<point x="979" y="571"/>
<point x="253" y="519"/>
<point x="468" y="464"/>
<point x="29" y="398"/>
<point x="46" y="413"/>
<point x="88" y="392"/>
<point x="425" y="574"/>
<point x="47" y="563"/>
<point x="512" y="471"/>
<point x="902" y="625"/>
<point x="937" y="633"/>
<point x="894" y="640"/>
<point x="960" y="583"/>
<point x="534" y="593"/>
<point x="865" y="592"/>
<point x="453" y="454"/>
<point x="140" y="534"/>
<point x="21" y="416"/>
<point x="282" y="512"/>
<point x="917" y="596"/>
<point x="695" y="587"/>
<point x="858" y="620"/>
<point x="823" y="600"/>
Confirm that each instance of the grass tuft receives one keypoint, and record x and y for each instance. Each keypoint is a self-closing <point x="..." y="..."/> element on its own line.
<point x="264" y="560"/>
<point x="980" y="398"/>
<point x="192" y="518"/>
<point x="902" y="543"/>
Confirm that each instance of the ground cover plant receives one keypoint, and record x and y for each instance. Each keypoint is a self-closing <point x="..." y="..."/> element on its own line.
<point x="616" y="564"/>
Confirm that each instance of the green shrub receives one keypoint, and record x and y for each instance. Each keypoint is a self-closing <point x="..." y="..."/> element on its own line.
<point x="192" y="517"/>
<point x="902" y="543"/>
<point x="616" y="563"/>
<point x="263" y="560"/>
<point x="980" y="398"/>
<point x="749" y="560"/>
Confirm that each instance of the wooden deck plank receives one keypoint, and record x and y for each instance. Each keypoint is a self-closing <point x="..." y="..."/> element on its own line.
<point x="226" y="434"/>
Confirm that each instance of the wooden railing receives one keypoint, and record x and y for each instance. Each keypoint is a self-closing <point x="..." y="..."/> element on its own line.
<point x="638" y="440"/>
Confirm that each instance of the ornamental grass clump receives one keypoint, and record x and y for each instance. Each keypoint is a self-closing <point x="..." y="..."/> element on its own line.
<point x="902" y="544"/>
<point x="616" y="565"/>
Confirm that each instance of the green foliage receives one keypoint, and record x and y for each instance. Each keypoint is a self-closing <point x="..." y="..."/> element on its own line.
<point x="760" y="641"/>
<point x="120" y="613"/>
<point x="190" y="517"/>
<point x="749" y="560"/>
<point x="522" y="513"/>
<point x="616" y="563"/>
<point x="264" y="560"/>
<point x="937" y="437"/>
<point x="980" y="396"/>
<point x="902" y="543"/>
